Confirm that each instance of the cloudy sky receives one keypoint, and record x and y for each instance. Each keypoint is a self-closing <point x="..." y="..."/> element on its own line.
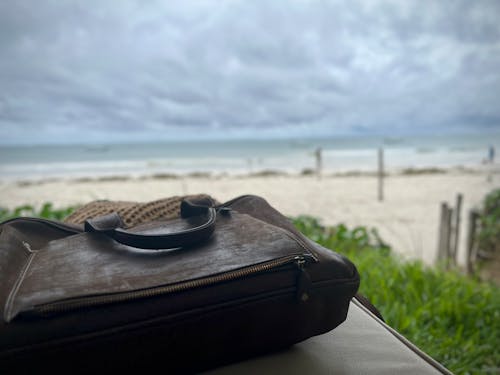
<point x="142" y="70"/>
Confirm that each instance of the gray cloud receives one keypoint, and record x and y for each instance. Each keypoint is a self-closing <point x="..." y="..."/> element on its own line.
<point x="179" y="69"/>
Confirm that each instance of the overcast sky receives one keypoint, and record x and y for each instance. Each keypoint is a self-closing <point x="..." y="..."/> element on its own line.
<point x="141" y="70"/>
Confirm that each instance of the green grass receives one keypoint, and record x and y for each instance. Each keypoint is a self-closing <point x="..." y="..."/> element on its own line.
<point x="47" y="211"/>
<point x="489" y="230"/>
<point x="453" y="318"/>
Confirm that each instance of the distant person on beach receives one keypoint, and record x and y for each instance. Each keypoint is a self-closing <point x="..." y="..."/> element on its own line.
<point x="319" y="161"/>
<point x="491" y="154"/>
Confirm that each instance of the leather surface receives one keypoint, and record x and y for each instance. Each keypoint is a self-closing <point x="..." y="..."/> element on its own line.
<point x="91" y="263"/>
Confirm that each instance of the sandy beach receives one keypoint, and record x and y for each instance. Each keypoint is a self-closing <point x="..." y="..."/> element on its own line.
<point x="407" y="218"/>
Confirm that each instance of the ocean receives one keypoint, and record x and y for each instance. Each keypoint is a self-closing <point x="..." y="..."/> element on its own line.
<point x="235" y="157"/>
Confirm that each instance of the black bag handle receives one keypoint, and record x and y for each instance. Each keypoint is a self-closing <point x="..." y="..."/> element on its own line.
<point x="112" y="226"/>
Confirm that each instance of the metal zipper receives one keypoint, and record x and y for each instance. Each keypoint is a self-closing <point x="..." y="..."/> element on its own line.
<point x="84" y="302"/>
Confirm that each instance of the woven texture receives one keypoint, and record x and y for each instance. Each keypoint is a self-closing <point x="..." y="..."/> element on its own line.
<point x="134" y="213"/>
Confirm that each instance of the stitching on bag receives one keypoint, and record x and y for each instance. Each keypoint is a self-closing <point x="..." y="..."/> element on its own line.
<point x="290" y="234"/>
<point x="299" y="241"/>
<point x="286" y="232"/>
<point x="293" y="237"/>
<point x="9" y="305"/>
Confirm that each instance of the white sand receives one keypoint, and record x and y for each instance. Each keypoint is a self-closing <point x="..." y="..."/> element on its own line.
<point x="407" y="218"/>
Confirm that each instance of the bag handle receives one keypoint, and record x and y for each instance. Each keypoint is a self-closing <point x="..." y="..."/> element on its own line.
<point x="112" y="225"/>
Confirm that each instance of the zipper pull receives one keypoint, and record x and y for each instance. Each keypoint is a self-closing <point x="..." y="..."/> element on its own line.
<point x="303" y="280"/>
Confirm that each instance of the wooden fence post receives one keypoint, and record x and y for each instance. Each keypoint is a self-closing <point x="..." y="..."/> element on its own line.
<point x="448" y="232"/>
<point x="456" y="230"/>
<point x="444" y="247"/>
<point x="471" y="255"/>
<point x="380" y="174"/>
<point x="441" y="253"/>
<point x="319" y="162"/>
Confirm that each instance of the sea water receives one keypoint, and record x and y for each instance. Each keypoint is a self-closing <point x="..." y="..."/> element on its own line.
<point x="234" y="157"/>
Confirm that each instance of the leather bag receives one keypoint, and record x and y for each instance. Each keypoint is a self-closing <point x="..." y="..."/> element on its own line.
<point x="215" y="286"/>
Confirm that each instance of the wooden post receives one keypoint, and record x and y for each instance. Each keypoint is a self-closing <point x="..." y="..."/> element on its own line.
<point x="471" y="242"/>
<point x="448" y="232"/>
<point x="441" y="251"/>
<point x="319" y="162"/>
<point x="380" y="174"/>
<point x="445" y="234"/>
<point x="456" y="230"/>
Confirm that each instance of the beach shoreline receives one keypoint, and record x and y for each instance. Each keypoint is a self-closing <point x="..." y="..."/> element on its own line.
<point x="266" y="173"/>
<point x="333" y="155"/>
<point x="407" y="218"/>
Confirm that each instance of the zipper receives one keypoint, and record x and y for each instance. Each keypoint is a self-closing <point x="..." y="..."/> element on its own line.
<point x="303" y="282"/>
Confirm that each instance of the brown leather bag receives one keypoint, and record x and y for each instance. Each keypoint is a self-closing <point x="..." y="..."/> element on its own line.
<point x="215" y="286"/>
